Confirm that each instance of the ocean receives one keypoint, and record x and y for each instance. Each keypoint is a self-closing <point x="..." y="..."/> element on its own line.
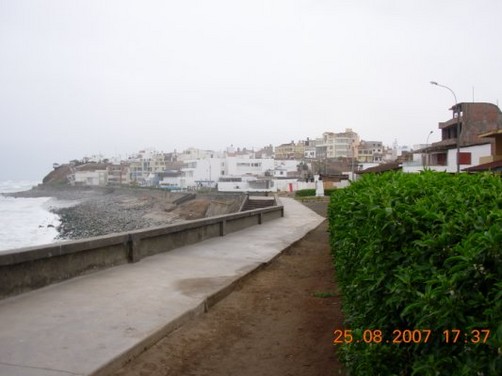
<point x="25" y="221"/>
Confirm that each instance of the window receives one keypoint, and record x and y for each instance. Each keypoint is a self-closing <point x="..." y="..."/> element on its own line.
<point x="441" y="159"/>
<point x="464" y="158"/>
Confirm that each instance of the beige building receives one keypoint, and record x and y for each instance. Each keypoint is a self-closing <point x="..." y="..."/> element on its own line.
<point x="119" y="174"/>
<point x="145" y="163"/>
<point x="370" y="151"/>
<point x="340" y="145"/>
<point x="290" y="151"/>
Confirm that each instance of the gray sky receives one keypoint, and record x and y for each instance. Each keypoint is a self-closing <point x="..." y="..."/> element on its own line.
<point x="86" y="77"/>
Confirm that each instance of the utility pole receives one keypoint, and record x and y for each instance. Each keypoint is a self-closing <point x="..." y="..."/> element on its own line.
<point x="457" y="109"/>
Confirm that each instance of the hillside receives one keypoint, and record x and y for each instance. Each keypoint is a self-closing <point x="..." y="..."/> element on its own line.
<point x="59" y="175"/>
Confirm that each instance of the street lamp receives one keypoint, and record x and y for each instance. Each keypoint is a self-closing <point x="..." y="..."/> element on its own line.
<point x="353" y="156"/>
<point x="458" y="121"/>
<point x="426" y="162"/>
<point x="427" y="140"/>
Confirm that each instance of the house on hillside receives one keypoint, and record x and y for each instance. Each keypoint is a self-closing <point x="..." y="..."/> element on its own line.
<point x="90" y="178"/>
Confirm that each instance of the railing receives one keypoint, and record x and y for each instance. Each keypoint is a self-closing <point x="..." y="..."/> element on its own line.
<point x="30" y="268"/>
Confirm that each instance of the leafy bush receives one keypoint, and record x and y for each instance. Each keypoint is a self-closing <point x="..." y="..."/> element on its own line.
<point x="329" y="191"/>
<point x="420" y="251"/>
<point x="305" y="192"/>
<point x="311" y="192"/>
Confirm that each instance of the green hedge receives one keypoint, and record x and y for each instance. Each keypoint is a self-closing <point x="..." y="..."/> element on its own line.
<point x="311" y="192"/>
<point x="420" y="251"/>
<point x="305" y="192"/>
<point x="329" y="191"/>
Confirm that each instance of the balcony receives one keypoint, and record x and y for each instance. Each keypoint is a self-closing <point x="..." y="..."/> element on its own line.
<point x="443" y="144"/>
<point x="449" y="123"/>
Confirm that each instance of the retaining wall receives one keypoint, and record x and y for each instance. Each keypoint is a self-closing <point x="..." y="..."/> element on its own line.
<point x="30" y="268"/>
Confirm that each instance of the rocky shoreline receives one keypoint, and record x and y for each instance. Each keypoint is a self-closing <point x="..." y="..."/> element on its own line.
<point x="87" y="211"/>
<point x="94" y="211"/>
<point x="102" y="216"/>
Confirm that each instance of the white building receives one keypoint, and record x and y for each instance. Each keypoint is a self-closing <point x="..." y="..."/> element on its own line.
<point x="94" y="178"/>
<point x="310" y="152"/>
<point x="145" y="163"/>
<point x="448" y="164"/>
<point x="238" y="166"/>
<point x="171" y="180"/>
<point x="201" y="173"/>
<point x="246" y="184"/>
<point x="207" y="172"/>
<point x="194" y="153"/>
<point x="284" y="168"/>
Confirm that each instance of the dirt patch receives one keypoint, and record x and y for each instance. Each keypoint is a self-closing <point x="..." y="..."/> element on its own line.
<point x="273" y="324"/>
<point x="194" y="209"/>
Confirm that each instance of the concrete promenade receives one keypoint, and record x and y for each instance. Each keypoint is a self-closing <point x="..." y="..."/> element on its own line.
<point x="94" y="323"/>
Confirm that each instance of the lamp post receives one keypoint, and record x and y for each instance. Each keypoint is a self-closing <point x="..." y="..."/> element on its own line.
<point x="458" y="121"/>
<point x="427" y="140"/>
<point x="426" y="159"/>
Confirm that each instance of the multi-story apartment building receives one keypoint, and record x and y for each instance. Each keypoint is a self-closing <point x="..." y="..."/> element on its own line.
<point x="370" y="151"/>
<point x="145" y="163"/>
<point x="119" y="173"/>
<point x="285" y="151"/>
<point x="339" y="145"/>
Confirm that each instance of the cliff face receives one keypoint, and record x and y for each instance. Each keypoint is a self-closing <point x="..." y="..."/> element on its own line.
<point x="60" y="174"/>
<point x="57" y="176"/>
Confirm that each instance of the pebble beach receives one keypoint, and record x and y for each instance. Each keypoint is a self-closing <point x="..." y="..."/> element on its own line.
<point x="94" y="211"/>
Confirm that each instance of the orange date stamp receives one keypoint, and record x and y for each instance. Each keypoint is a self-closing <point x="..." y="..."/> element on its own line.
<point x="416" y="336"/>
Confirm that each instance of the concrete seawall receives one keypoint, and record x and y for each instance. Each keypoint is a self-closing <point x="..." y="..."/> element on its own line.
<point x="93" y="324"/>
<point x="26" y="269"/>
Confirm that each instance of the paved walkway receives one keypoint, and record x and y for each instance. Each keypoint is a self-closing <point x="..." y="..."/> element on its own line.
<point x="91" y="324"/>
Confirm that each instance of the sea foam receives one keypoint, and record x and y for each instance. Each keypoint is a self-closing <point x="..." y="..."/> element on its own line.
<point x="25" y="221"/>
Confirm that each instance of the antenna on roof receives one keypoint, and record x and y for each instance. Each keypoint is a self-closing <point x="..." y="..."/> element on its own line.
<point x="473" y="94"/>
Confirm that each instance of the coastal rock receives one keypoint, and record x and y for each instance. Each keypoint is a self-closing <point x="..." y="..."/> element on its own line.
<point x="97" y="211"/>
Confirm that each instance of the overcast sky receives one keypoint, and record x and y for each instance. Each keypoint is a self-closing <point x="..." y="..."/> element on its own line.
<point x="112" y="77"/>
